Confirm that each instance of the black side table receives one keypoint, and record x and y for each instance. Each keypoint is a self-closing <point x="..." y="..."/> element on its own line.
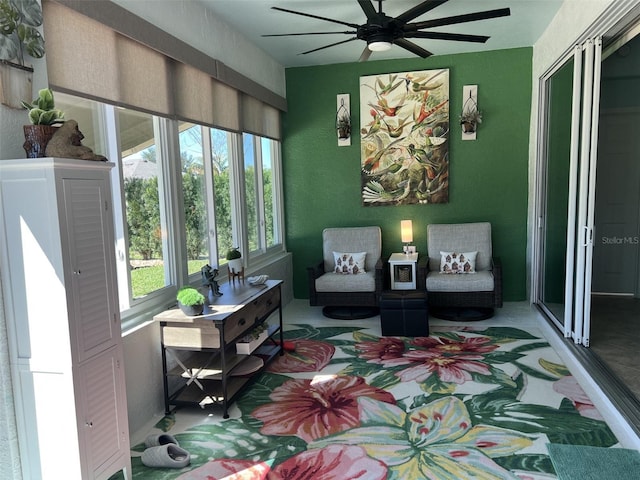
<point x="404" y="313"/>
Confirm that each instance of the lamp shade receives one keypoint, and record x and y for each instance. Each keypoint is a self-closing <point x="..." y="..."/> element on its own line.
<point x="406" y="231"/>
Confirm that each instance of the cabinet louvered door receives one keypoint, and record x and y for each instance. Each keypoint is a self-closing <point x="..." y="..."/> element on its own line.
<point x="89" y="236"/>
<point x="102" y="403"/>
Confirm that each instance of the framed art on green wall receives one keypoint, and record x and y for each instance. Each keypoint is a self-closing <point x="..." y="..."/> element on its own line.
<point x="404" y="120"/>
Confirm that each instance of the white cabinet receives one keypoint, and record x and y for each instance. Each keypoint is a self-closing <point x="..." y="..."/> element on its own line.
<point x="403" y="271"/>
<point x="63" y="320"/>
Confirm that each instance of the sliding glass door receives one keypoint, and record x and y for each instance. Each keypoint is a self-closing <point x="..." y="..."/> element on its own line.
<point x="590" y="54"/>
<point x="567" y="191"/>
<point x="552" y="220"/>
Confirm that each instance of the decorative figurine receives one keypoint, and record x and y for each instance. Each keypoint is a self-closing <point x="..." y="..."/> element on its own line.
<point x="209" y="278"/>
<point x="67" y="143"/>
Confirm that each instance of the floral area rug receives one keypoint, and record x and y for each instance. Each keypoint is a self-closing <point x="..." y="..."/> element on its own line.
<point x="463" y="403"/>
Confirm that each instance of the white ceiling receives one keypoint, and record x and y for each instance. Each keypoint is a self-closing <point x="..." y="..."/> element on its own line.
<point x="253" y="18"/>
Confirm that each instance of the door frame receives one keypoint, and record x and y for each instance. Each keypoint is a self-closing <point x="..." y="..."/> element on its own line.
<point x="612" y="25"/>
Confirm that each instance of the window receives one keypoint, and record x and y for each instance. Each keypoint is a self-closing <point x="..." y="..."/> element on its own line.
<point x="252" y="190"/>
<point x="144" y="212"/>
<point x="270" y="149"/>
<point x="222" y="207"/>
<point x="183" y="194"/>
<point x="194" y="197"/>
<point x="259" y="193"/>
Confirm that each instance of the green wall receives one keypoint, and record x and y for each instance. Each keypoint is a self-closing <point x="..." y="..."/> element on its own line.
<point x="488" y="176"/>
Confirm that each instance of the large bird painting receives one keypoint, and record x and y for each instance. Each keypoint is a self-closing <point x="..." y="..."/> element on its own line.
<point x="404" y="119"/>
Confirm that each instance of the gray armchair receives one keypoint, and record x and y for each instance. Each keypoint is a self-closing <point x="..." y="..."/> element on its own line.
<point x="479" y="290"/>
<point x="331" y="289"/>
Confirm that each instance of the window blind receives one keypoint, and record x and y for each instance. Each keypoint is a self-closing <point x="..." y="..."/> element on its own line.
<point x="100" y="50"/>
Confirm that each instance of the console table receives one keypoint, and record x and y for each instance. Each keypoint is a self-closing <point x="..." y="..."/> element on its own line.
<point x="205" y="376"/>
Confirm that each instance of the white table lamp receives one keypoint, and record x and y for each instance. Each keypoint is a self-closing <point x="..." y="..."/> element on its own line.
<point x="406" y="234"/>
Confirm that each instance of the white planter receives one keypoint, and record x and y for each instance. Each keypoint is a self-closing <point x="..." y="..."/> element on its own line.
<point x="235" y="265"/>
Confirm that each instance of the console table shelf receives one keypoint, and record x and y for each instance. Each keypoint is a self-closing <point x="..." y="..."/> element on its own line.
<point x="206" y="376"/>
<point x="211" y="393"/>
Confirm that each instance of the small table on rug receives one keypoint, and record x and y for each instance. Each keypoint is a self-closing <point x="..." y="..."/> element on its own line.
<point x="404" y="313"/>
<point x="215" y="372"/>
<point x="403" y="309"/>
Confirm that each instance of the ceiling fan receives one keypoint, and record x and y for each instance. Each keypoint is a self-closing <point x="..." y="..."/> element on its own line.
<point x="382" y="31"/>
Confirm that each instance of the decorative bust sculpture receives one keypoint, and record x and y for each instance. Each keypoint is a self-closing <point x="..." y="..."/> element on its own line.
<point x="67" y="143"/>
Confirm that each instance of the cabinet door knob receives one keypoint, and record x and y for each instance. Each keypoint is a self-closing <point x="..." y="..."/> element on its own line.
<point x="89" y="424"/>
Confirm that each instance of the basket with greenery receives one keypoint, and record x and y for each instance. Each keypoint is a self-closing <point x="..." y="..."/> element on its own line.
<point x="190" y="296"/>
<point x="190" y="300"/>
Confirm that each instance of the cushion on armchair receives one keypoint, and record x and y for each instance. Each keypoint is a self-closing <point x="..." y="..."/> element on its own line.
<point x="349" y="263"/>
<point x="333" y="282"/>
<point x="471" y="240"/>
<point x="352" y="239"/>
<point x="350" y="256"/>
<point x="458" y="262"/>
<point x="479" y="282"/>
<point x="460" y="237"/>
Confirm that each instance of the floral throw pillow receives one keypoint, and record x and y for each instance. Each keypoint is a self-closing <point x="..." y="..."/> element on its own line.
<point x="454" y="262"/>
<point x="349" y="263"/>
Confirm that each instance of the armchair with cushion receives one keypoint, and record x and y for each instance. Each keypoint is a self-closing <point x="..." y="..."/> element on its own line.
<point x="461" y="272"/>
<point x="341" y="279"/>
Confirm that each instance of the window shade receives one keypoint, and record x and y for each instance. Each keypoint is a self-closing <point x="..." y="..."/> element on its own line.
<point x="259" y="118"/>
<point x="226" y="106"/>
<point x="193" y="94"/>
<point x="143" y="77"/>
<point x="94" y="59"/>
<point x="86" y="67"/>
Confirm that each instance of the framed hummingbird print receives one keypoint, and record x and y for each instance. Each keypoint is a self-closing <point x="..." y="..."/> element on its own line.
<point x="404" y="132"/>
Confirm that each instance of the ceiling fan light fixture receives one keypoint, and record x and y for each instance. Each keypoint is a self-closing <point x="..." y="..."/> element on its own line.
<point x="379" y="46"/>
<point x="381" y="31"/>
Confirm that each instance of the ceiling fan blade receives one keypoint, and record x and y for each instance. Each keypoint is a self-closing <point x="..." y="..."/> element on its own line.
<point x="469" y="17"/>
<point x="368" y="8"/>
<point x="413" y="48"/>
<point x="366" y="53"/>
<point x="418" y="10"/>
<point x="448" y="36"/>
<point x="352" y="25"/>
<point x="330" y="45"/>
<point x="307" y="33"/>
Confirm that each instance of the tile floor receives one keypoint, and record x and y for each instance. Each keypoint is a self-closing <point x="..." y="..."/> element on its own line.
<point x="615" y="336"/>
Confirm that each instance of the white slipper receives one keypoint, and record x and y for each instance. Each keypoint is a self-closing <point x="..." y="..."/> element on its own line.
<point x="166" y="456"/>
<point x="157" y="439"/>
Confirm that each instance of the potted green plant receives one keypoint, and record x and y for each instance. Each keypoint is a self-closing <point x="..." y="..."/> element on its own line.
<point x="190" y="301"/>
<point x="470" y="120"/>
<point x="234" y="258"/>
<point x="44" y="118"/>
<point x="343" y="126"/>
<point x="19" y="35"/>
